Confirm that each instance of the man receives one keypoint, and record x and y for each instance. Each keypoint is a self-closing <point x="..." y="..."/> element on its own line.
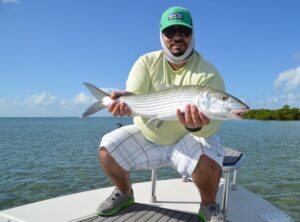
<point x="189" y="144"/>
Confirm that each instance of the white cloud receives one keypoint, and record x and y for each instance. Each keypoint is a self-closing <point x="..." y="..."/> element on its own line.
<point x="41" y="99"/>
<point x="289" y="98"/>
<point x="288" y="80"/>
<point x="82" y="98"/>
<point x="63" y="102"/>
<point x="9" y="1"/>
<point x="46" y="99"/>
<point x="275" y="101"/>
<point x="45" y="104"/>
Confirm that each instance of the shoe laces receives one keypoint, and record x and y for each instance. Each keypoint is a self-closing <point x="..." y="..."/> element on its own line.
<point x="114" y="195"/>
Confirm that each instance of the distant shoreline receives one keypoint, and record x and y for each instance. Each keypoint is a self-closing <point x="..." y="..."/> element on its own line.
<point x="284" y="114"/>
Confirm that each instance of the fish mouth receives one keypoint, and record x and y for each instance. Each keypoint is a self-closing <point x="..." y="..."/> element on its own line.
<point x="239" y="113"/>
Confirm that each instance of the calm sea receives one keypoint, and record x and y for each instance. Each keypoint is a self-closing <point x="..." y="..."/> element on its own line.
<point x="43" y="158"/>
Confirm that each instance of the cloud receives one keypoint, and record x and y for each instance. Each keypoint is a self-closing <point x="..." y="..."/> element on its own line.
<point x="46" y="99"/>
<point x="82" y="98"/>
<point x="275" y="101"/>
<point x="46" y="104"/>
<point x="288" y="80"/>
<point x="290" y="98"/>
<point x="41" y="99"/>
<point x="9" y="1"/>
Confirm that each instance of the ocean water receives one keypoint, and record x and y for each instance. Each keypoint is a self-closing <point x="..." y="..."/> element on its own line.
<point x="41" y="158"/>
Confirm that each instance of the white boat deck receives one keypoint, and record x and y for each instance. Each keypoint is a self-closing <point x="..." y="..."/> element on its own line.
<point x="243" y="206"/>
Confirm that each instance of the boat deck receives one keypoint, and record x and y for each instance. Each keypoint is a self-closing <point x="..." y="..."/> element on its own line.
<point x="143" y="212"/>
<point x="172" y="196"/>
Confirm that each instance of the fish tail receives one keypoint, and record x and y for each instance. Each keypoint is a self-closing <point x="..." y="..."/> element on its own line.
<point x="99" y="105"/>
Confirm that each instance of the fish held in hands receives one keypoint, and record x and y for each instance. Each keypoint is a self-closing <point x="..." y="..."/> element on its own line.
<point x="162" y="105"/>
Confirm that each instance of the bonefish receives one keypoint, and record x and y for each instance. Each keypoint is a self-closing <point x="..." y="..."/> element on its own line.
<point x="161" y="106"/>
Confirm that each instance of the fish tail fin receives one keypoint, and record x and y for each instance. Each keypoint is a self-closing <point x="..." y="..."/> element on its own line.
<point x="99" y="105"/>
<point x="98" y="93"/>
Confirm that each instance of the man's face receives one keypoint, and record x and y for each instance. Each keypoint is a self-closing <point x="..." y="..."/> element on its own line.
<point x="177" y="39"/>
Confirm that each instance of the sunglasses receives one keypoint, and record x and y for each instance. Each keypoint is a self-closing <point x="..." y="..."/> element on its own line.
<point x="181" y="30"/>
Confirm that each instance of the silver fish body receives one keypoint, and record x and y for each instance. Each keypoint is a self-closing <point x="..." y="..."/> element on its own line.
<point x="162" y="105"/>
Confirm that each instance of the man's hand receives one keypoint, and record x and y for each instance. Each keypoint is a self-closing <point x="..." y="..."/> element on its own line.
<point x="119" y="108"/>
<point x="192" y="118"/>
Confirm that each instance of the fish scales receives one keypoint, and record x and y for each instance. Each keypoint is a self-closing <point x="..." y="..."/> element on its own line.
<point x="158" y="97"/>
<point x="149" y="103"/>
<point x="150" y="107"/>
<point x="163" y="104"/>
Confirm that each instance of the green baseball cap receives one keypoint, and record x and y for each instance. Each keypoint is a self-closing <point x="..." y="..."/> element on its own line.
<point x="176" y="16"/>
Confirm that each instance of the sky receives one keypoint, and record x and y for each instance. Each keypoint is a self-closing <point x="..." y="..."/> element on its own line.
<point x="49" y="48"/>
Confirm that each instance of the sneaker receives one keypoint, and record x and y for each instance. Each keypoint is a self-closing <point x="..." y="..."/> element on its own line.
<point x="114" y="203"/>
<point x="211" y="213"/>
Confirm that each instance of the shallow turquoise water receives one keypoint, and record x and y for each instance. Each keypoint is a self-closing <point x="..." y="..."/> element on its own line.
<point x="49" y="157"/>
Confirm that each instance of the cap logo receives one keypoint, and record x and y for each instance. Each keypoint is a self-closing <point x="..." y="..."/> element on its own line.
<point x="175" y="16"/>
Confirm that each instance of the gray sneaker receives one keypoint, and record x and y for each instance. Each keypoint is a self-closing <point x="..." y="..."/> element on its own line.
<point x="211" y="213"/>
<point x="114" y="203"/>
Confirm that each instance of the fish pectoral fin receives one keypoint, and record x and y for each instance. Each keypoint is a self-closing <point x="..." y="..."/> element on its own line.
<point x="157" y="122"/>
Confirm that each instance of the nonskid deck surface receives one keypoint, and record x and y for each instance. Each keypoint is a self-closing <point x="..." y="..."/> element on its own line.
<point x="143" y="212"/>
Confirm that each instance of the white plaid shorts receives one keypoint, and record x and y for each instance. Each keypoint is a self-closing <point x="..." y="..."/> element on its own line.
<point x="131" y="149"/>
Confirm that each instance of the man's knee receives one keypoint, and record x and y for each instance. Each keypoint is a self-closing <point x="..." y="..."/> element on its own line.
<point x="207" y="165"/>
<point x="103" y="153"/>
<point x="208" y="162"/>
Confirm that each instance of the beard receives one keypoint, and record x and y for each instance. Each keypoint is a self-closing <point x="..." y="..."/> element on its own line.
<point x="177" y="54"/>
<point x="178" y="50"/>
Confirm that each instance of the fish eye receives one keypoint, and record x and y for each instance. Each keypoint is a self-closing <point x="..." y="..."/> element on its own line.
<point x="224" y="98"/>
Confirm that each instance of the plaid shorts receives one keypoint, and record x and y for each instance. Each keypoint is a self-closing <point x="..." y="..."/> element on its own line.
<point x="131" y="149"/>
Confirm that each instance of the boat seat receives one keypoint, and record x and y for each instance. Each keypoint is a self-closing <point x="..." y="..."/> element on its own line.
<point x="233" y="160"/>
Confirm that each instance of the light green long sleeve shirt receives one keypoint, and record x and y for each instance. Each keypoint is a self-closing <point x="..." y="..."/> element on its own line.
<point x="151" y="71"/>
